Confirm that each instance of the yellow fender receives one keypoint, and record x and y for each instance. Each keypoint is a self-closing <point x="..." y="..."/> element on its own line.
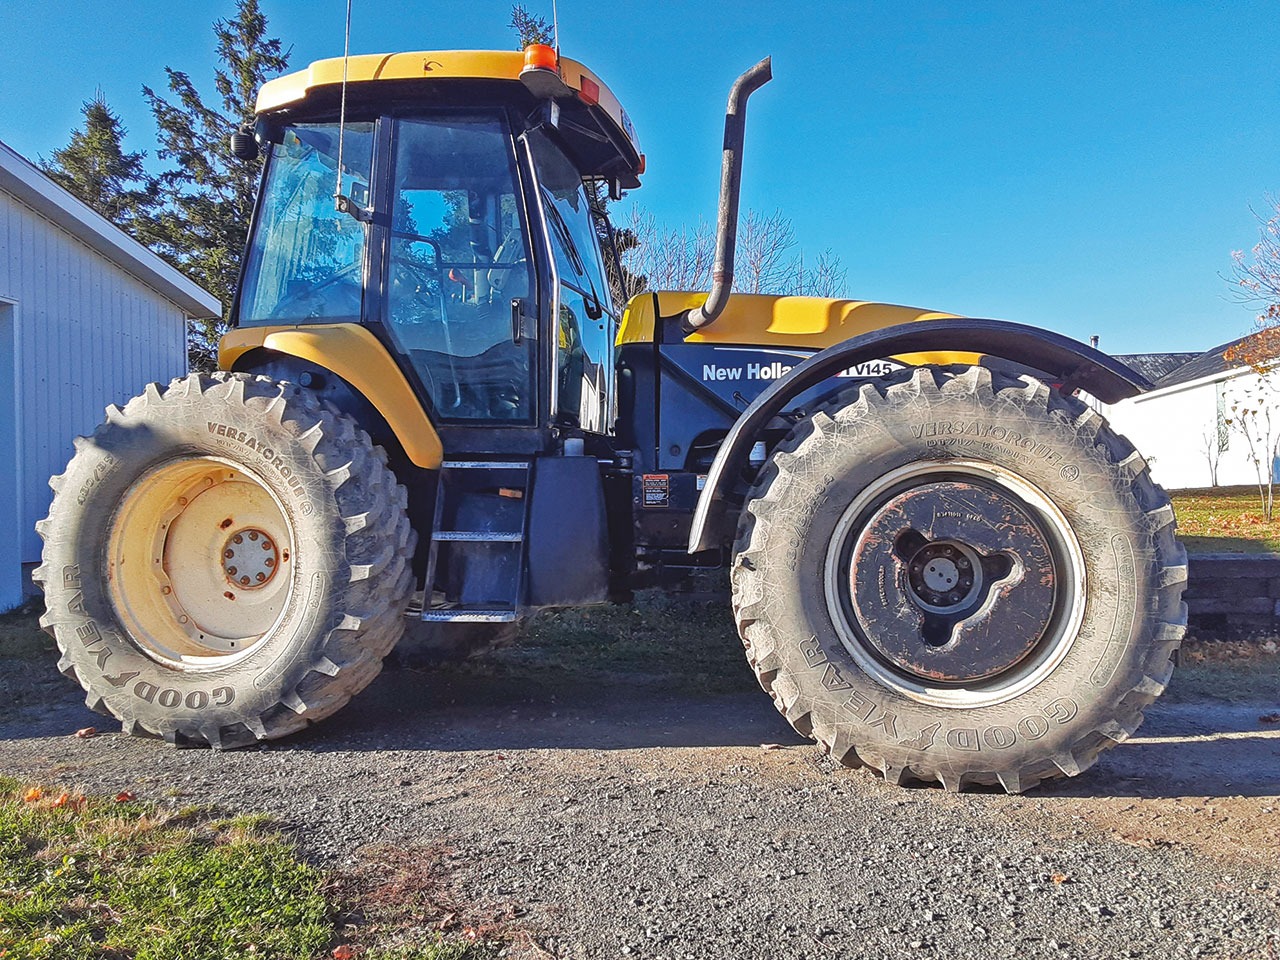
<point x="354" y="354"/>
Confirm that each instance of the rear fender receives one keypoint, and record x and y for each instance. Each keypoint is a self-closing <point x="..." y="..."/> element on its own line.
<point x="1071" y="362"/>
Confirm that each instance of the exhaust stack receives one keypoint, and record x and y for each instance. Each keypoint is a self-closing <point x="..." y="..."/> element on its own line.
<point x="730" y="185"/>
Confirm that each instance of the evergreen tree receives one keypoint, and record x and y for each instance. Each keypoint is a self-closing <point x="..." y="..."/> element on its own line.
<point x="529" y="28"/>
<point x="95" y="168"/>
<point x="208" y="193"/>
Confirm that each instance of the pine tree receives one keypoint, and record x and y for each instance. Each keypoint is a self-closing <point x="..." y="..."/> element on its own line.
<point x="95" y="168"/>
<point x="208" y="193"/>
<point x="529" y="28"/>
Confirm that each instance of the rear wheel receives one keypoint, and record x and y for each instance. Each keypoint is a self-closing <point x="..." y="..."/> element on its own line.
<point x="225" y="561"/>
<point x="964" y="577"/>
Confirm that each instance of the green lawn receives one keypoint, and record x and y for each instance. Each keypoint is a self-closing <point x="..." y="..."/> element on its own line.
<point x="1225" y="520"/>
<point x="111" y="878"/>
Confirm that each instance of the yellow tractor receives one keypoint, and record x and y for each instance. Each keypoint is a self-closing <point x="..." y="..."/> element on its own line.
<point x="435" y="413"/>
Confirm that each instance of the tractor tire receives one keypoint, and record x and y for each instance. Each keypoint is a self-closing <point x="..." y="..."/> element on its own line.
<point x="426" y="643"/>
<point x="225" y="561"/>
<point x="960" y="576"/>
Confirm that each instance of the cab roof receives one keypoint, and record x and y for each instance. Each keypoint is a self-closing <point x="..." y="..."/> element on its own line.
<point x="429" y="67"/>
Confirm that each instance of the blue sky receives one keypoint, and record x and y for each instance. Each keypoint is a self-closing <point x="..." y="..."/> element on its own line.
<point x="1083" y="166"/>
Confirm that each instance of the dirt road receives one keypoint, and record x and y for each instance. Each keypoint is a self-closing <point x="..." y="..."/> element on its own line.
<point x="605" y="788"/>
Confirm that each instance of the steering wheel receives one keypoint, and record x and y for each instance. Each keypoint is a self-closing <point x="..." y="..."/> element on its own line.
<point x="313" y="292"/>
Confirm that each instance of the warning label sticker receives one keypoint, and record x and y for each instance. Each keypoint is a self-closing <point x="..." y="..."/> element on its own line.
<point x="655" y="490"/>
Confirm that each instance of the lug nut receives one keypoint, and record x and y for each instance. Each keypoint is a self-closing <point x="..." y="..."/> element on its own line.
<point x="261" y="577"/>
<point x="271" y="561"/>
<point x="245" y="581"/>
<point x="231" y="571"/>
<point x="266" y="544"/>
<point x="237" y="539"/>
<point x="229" y="554"/>
<point x="253" y="535"/>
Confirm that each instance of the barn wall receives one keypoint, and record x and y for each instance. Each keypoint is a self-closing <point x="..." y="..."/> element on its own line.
<point x="88" y="334"/>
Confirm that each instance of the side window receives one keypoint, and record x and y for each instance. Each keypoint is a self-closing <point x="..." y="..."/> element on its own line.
<point x="305" y="260"/>
<point x="586" y="321"/>
<point x="458" y="257"/>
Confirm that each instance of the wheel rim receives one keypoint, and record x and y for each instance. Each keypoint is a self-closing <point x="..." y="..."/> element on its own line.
<point x="199" y="560"/>
<point x="956" y="583"/>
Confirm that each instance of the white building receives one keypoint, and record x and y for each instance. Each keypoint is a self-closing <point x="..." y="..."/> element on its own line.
<point x="88" y="316"/>
<point x="1186" y="420"/>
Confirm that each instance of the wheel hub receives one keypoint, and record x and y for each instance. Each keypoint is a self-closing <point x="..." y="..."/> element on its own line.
<point x="943" y="576"/>
<point x="250" y="559"/>
<point x="952" y="580"/>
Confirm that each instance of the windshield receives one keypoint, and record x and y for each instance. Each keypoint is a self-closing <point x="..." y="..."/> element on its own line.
<point x="305" y="260"/>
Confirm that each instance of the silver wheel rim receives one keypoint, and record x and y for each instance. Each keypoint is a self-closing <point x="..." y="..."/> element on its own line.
<point x="1050" y="650"/>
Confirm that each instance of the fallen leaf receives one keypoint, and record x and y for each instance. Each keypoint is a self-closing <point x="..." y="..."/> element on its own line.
<point x="84" y="733"/>
<point x="1059" y="878"/>
<point x="770" y="746"/>
<point x="1269" y="718"/>
<point x="471" y="933"/>
<point x="124" y="796"/>
<point x="446" y="920"/>
<point x="62" y="800"/>
<point x="344" y="952"/>
<point x="32" y="795"/>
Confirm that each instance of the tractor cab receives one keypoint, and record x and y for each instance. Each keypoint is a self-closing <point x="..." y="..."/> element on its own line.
<point x="466" y="218"/>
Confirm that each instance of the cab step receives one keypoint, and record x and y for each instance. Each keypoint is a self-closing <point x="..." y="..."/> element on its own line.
<point x="476" y="563"/>
<point x="468" y="615"/>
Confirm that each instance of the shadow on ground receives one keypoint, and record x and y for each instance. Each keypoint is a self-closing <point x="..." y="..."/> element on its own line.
<point x="671" y="674"/>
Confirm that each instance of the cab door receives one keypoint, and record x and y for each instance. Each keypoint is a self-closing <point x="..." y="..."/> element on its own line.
<point x="586" y="321"/>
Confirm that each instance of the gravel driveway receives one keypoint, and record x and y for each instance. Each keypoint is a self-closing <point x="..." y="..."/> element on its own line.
<point x="622" y="804"/>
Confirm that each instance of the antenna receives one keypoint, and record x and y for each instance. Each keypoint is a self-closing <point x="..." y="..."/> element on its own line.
<point x="555" y="29"/>
<point x="338" y="199"/>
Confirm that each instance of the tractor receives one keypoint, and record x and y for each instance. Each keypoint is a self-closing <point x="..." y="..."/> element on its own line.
<point x="435" y="415"/>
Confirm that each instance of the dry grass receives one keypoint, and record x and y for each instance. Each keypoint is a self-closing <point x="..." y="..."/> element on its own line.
<point x="1225" y="520"/>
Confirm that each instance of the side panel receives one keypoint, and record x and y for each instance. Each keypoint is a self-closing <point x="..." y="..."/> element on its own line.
<point x="354" y="354"/>
<point x="568" y="545"/>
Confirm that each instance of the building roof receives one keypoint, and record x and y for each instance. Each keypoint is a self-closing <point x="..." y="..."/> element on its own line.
<point x="1204" y="365"/>
<point x="24" y="181"/>
<point x="1154" y="366"/>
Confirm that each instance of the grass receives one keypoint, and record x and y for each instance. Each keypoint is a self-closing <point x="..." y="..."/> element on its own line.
<point x="1230" y="671"/>
<point x="684" y="645"/>
<point x="96" y="878"/>
<point x="22" y="638"/>
<point x="1225" y="520"/>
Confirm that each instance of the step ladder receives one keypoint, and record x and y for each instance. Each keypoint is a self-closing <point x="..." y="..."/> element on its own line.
<point x="476" y="562"/>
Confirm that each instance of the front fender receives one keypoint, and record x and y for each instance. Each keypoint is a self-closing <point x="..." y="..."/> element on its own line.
<point x="355" y="355"/>
<point x="1074" y="363"/>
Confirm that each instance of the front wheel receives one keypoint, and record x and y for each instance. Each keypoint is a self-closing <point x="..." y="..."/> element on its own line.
<point x="225" y="560"/>
<point x="959" y="576"/>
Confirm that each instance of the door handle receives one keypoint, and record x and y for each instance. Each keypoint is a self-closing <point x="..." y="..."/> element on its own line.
<point x="517" y="319"/>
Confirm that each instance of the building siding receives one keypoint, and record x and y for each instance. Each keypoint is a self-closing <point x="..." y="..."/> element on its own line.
<point x="88" y="334"/>
<point x="1171" y="428"/>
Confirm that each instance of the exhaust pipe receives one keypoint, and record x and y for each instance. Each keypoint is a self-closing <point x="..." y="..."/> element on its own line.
<point x="730" y="185"/>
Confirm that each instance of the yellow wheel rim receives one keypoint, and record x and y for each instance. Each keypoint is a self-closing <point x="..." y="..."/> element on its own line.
<point x="199" y="562"/>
